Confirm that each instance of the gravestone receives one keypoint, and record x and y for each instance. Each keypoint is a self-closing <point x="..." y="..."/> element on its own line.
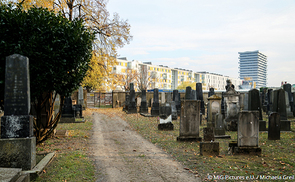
<point x="254" y="104"/>
<point x="231" y="107"/>
<point x="287" y="88"/>
<point x="138" y="101"/>
<point x="200" y="97"/>
<point x="17" y="143"/>
<point x="245" y="101"/>
<point x="125" y="108"/>
<point x="194" y="95"/>
<point x="132" y="104"/>
<point x="165" y="114"/>
<point x="176" y="99"/>
<point x="214" y="107"/>
<point x="155" y="107"/>
<point x="293" y="105"/>
<point x="173" y="110"/>
<point x="269" y="100"/>
<point x="169" y="98"/>
<point x="288" y="106"/>
<point x="68" y="112"/>
<point x="143" y="104"/>
<point x="211" y="92"/>
<point x="282" y="110"/>
<point x="264" y="100"/>
<point x="219" y="130"/>
<point x="189" y="121"/>
<point x="209" y="147"/>
<point x="274" y="126"/>
<point x="163" y="99"/>
<point x="248" y="133"/>
<point x="80" y="96"/>
<point x="188" y="93"/>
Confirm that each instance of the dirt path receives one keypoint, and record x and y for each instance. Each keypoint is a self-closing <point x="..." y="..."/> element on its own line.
<point x="122" y="155"/>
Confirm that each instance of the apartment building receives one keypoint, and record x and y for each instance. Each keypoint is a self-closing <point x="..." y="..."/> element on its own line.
<point x="163" y="77"/>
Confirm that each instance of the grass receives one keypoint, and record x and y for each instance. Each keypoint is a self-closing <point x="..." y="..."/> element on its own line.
<point x="71" y="162"/>
<point x="277" y="159"/>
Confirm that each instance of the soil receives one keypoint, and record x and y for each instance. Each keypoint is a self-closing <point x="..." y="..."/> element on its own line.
<point x="121" y="154"/>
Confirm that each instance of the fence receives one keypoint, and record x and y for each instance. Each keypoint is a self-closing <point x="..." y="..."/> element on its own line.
<point x="99" y="99"/>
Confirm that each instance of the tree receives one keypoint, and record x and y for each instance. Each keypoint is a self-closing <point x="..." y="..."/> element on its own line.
<point x="185" y="84"/>
<point x="144" y="79"/>
<point x="59" y="52"/>
<point x="123" y="80"/>
<point x="112" y="33"/>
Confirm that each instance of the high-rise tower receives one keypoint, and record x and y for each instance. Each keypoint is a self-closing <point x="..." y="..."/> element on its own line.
<point x="253" y="64"/>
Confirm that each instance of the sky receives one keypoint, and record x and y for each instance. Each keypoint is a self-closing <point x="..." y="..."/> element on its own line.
<point x="206" y="35"/>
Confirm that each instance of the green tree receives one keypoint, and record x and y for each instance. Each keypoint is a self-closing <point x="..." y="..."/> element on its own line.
<point x="59" y="52"/>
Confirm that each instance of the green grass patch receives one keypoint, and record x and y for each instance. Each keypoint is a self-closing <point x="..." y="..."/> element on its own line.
<point x="277" y="159"/>
<point x="70" y="166"/>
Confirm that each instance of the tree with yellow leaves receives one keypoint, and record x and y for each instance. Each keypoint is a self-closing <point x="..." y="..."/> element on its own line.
<point x="185" y="84"/>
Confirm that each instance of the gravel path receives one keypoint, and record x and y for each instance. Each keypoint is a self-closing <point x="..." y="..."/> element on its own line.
<point x="121" y="155"/>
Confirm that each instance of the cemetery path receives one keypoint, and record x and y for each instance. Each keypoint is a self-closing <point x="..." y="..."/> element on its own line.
<point x="121" y="154"/>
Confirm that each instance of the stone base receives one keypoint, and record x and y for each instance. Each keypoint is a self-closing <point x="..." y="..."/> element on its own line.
<point x="285" y="125"/>
<point x="222" y="136"/>
<point x="188" y="138"/>
<point x="234" y="149"/>
<point x="18" y="153"/>
<point x="132" y="110"/>
<point x="147" y="115"/>
<point x="13" y="174"/>
<point x="219" y="132"/>
<point x="165" y="126"/>
<point x="209" y="148"/>
<point x="262" y="125"/>
<point x="144" y="110"/>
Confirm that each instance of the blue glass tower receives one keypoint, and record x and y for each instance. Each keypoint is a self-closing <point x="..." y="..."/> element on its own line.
<point x="253" y="64"/>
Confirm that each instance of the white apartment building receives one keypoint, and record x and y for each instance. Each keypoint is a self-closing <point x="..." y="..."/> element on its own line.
<point x="163" y="77"/>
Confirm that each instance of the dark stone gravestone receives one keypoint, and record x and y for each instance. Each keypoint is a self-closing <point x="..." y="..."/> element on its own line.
<point x="274" y="126"/>
<point x="269" y="100"/>
<point x="282" y="110"/>
<point x="169" y="98"/>
<point x="254" y="104"/>
<point x="68" y="112"/>
<point x="155" y="107"/>
<point x="132" y="104"/>
<point x="200" y="97"/>
<point x="264" y="100"/>
<point x="248" y="133"/>
<point x="143" y="104"/>
<point x="188" y="93"/>
<point x="211" y="92"/>
<point x="231" y="107"/>
<point x="176" y="99"/>
<point x="293" y="105"/>
<point x="173" y="110"/>
<point x="194" y="95"/>
<point x="287" y="88"/>
<point x="125" y="108"/>
<point x="209" y="147"/>
<point x="17" y="143"/>
<point x="189" y="121"/>
<point x="165" y="114"/>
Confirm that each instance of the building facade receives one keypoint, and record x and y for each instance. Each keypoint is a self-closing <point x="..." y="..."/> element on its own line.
<point x="163" y="77"/>
<point x="253" y="65"/>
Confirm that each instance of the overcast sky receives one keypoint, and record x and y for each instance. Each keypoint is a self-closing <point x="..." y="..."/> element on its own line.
<point x="207" y="35"/>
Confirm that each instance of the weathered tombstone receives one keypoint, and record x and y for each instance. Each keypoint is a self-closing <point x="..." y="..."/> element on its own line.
<point x="189" y="121"/>
<point x="165" y="114"/>
<point x="214" y="107"/>
<point x="80" y="96"/>
<point x="163" y="99"/>
<point x="188" y="93"/>
<point x="245" y="101"/>
<point x="169" y="98"/>
<point x="194" y="95"/>
<point x="231" y="107"/>
<point x="287" y="88"/>
<point x="176" y="99"/>
<point x="293" y="105"/>
<point x="138" y="101"/>
<point x="274" y="126"/>
<point x="282" y="110"/>
<point x="132" y="105"/>
<point x="209" y="147"/>
<point x="155" y="108"/>
<point x="248" y="133"/>
<point x="17" y="143"/>
<point x="200" y="97"/>
<point x="254" y="104"/>
<point x="143" y="105"/>
<point x="263" y="99"/>
<point x="288" y="106"/>
<point x="269" y="100"/>
<point x="219" y="130"/>
<point x="126" y="104"/>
